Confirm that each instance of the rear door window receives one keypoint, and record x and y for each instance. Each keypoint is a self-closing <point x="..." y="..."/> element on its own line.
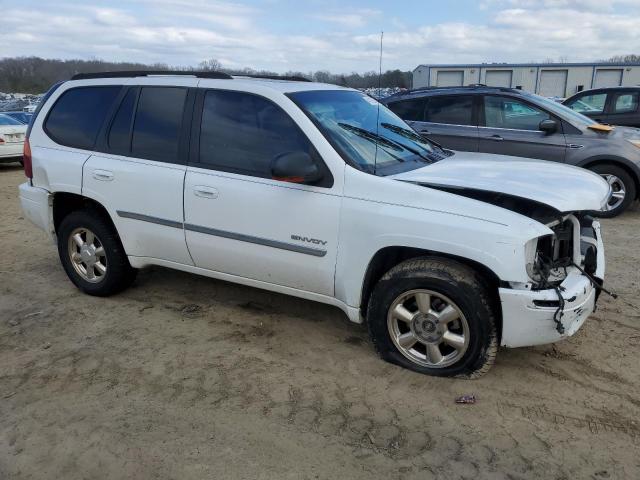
<point x="409" y="110"/>
<point x="453" y="110"/>
<point x="158" y="123"/>
<point x="242" y="133"/>
<point x="78" y="115"/>
<point x="120" y="134"/>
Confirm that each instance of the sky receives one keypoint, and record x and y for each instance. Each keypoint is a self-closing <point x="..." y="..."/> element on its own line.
<point x="337" y="35"/>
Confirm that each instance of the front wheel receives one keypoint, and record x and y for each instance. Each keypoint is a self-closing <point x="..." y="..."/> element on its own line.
<point x="434" y="316"/>
<point x="623" y="189"/>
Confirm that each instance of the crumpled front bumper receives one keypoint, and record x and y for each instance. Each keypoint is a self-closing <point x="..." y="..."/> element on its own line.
<point x="527" y="315"/>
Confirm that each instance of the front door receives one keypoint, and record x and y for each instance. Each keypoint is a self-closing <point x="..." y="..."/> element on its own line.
<point x="240" y="221"/>
<point x="511" y="128"/>
<point x="591" y="104"/>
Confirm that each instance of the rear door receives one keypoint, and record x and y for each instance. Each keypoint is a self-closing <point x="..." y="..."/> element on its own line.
<point x="450" y="121"/>
<point x="139" y="175"/>
<point x="624" y="108"/>
<point x="510" y="127"/>
<point x="238" y="219"/>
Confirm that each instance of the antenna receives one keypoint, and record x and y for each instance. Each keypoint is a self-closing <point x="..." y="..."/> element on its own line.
<point x="375" y="159"/>
<point x="380" y="67"/>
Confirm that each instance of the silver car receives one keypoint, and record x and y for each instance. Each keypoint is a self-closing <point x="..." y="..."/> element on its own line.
<point x="512" y="122"/>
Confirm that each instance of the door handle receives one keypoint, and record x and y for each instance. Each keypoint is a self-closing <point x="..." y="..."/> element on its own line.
<point x="424" y="131"/>
<point x="495" y="138"/>
<point x="205" y="192"/>
<point x="103" y="175"/>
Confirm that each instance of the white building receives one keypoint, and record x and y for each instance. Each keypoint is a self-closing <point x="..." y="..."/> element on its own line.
<point x="547" y="79"/>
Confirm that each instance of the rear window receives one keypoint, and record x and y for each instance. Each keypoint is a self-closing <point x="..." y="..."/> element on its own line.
<point x="7" y="120"/>
<point x="156" y="129"/>
<point x="454" y="110"/>
<point x="78" y="115"/>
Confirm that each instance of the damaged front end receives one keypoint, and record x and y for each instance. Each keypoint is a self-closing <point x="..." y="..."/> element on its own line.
<point x="566" y="269"/>
<point x="572" y="246"/>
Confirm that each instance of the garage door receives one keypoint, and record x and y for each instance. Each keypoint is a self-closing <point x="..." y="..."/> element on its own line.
<point x="451" y="78"/>
<point x="553" y="83"/>
<point x="611" y="77"/>
<point x="498" y="78"/>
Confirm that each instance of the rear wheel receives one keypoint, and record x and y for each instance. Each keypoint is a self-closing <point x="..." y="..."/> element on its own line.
<point x="623" y="188"/>
<point x="434" y="316"/>
<point x="92" y="254"/>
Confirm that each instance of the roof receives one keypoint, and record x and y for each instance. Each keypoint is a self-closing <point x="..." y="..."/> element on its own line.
<point x="279" y="83"/>
<point x="525" y="65"/>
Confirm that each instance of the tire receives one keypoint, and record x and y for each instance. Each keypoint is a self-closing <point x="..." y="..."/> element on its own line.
<point x="447" y="281"/>
<point x="617" y="177"/>
<point x="118" y="273"/>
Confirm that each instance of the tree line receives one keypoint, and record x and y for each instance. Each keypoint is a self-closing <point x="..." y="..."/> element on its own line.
<point x="36" y="75"/>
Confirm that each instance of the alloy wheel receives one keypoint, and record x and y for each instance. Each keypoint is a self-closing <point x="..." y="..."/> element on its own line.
<point x="618" y="191"/>
<point x="428" y="328"/>
<point x="87" y="255"/>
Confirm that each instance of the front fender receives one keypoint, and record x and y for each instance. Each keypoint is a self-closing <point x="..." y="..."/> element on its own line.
<point x="366" y="230"/>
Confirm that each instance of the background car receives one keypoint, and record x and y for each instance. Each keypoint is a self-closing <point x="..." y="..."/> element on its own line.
<point x="22" y="117"/>
<point x="614" y="105"/>
<point x="512" y="122"/>
<point x="12" y="134"/>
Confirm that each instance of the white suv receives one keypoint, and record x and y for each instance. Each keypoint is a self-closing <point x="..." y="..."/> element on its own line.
<point x="319" y="192"/>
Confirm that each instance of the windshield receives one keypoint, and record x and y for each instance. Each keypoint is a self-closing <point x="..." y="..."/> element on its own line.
<point x="367" y="134"/>
<point x="7" y="120"/>
<point x="564" y="112"/>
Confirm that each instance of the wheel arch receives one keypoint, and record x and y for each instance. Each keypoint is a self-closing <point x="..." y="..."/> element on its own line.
<point x="66" y="202"/>
<point x="388" y="257"/>
<point x="623" y="163"/>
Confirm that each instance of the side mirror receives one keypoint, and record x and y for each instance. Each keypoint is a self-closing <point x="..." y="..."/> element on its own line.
<point x="295" y="167"/>
<point x="548" y="126"/>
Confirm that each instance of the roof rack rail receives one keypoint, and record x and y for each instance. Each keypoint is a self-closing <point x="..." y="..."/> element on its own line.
<point x="148" y="73"/>
<point x="288" y="78"/>
<point x="459" y="87"/>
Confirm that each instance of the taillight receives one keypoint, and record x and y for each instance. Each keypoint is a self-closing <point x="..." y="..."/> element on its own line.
<point x="26" y="159"/>
<point x="1" y="139"/>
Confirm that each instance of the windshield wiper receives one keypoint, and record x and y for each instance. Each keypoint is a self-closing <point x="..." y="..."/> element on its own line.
<point x="410" y="134"/>
<point x="382" y="140"/>
<point x="373" y="137"/>
<point x="378" y="140"/>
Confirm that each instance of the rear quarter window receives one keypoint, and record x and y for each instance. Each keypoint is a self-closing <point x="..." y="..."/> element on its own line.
<point x="77" y="116"/>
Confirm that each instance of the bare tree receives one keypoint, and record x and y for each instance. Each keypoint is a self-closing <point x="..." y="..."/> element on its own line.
<point x="211" y="65"/>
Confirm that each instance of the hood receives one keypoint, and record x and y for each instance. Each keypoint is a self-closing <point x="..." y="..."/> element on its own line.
<point x="562" y="187"/>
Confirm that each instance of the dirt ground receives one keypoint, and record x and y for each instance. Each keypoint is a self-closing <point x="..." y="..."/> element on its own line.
<point x="184" y="377"/>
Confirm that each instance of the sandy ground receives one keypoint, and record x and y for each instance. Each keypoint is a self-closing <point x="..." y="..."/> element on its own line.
<point x="186" y="377"/>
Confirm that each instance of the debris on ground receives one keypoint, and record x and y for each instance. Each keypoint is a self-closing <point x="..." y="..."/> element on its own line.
<point x="470" y="399"/>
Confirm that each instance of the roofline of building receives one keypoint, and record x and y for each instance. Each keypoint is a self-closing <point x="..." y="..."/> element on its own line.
<point x="524" y="65"/>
